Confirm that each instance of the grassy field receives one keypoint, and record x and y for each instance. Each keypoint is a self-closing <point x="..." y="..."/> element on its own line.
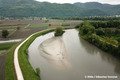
<point x="38" y="26"/>
<point x="27" y="70"/>
<point x="2" y="52"/>
<point x="56" y="20"/>
<point x="9" y="68"/>
<point x="14" y="26"/>
<point x="65" y="23"/>
<point x="5" y="46"/>
<point x="10" y="34"/>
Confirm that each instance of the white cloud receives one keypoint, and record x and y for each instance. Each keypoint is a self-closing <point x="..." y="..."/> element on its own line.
<point x="73" y="1"/>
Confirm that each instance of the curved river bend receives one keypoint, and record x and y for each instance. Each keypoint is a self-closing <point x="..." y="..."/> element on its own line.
<point x="82" y="60"/>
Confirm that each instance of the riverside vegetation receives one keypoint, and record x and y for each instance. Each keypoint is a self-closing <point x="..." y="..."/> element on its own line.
<point x="59" y="31"/>
<point x="105" y="35"/>
<point x="27" y="70"/>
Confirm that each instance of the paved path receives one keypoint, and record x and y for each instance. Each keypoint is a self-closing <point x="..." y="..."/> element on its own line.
<point x="7" y="41"/>
<point x="16" y="62"/>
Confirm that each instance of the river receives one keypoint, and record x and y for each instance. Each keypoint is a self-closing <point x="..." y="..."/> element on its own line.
<point x="86" y="62"/>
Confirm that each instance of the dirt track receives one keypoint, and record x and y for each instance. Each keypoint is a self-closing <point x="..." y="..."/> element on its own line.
<point x="2" y="66"/>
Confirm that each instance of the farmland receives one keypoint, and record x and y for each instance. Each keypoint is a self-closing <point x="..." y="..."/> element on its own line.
<point x="27" y="27"/>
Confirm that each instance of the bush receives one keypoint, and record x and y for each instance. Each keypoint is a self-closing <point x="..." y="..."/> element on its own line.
<point x="99" y="32"/>
<point x="5" y="33"/>
<point x="38" y="71"/>
<point x="59" y="31"/>
<point x="18" y="28"/>
<point x="49" y="24"/>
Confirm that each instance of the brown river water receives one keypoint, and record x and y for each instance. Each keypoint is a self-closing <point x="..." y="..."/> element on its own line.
<point x="82" y="60"/>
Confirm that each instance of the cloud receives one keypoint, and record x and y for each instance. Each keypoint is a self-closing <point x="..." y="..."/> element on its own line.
<point x="73" y="1"/>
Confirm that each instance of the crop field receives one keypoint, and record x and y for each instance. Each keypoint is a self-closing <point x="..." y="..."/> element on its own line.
<point x="38" y="26"/>
<point x="27" y="27"/>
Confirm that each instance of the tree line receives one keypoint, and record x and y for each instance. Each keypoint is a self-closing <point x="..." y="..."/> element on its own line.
<point x="104" y="18"/>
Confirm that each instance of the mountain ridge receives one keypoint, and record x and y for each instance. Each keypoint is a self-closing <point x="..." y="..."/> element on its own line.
<point x="27" y="8"/>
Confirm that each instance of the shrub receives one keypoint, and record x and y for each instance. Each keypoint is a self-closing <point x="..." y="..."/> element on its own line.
<point x="99" y="32"/>
<point x="38" y="71"/>
<point x="59" y="31"/>
<point x="49" y="24"/>
<point x="18" y="28"/>
<point x="5" y="33"/>
<point x="46" y="21"/>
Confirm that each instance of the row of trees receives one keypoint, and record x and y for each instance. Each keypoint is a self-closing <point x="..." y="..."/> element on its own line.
<point x="108" y="45"/>
<point x="87" y="18"/>
<point x="107" y="32"/>
<point x="106" y="24"/>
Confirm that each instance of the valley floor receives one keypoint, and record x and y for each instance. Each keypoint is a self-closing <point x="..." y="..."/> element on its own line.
<point x="25" y="31"/>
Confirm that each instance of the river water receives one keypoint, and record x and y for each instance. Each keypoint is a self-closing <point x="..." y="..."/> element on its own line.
<point x="86" y="62"/>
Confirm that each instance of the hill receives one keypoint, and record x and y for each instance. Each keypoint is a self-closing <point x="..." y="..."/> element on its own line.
<point x="107" y="8"/>
<point x="27" y="8"/>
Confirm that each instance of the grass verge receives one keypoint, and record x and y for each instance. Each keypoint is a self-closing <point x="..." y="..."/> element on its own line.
<point x="14" y="25"/>
<point x="2" y="52"/>
<point x="27" y="70"/>
<point x="9" y="66"/>
<point x="5" y="46"/>
<point x="11" y="33"/>
<point x="38" y="25"/>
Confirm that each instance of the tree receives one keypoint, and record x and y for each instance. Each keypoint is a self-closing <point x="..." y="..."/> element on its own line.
<point x="59" y="31"/>
<point x="99" y="32"/>
<point x="18" y="28"/>
<point x="49" y="24"/>
<point x="87" y="29"/>
<point x="5" y="33"/>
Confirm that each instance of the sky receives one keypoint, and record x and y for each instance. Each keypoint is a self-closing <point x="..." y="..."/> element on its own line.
<point x="83" y="1"/>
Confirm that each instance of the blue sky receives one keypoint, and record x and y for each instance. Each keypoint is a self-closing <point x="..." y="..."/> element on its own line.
<point x="73" y="1"/>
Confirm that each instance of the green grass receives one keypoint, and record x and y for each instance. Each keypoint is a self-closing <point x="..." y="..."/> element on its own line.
<point x="39" y="26"/>
<point x="11" y="33"/>
<point x="27" y="70"/>
<point x="9" y="68"/>
<point x="56" y="20"/>
<point x="65" y="23"/>
<point x="2" y="52"/>
<point x="15" y="25"/>
<point x="5" y="46"/>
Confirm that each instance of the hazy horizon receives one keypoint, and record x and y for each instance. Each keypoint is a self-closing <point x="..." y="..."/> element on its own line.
<point x="81" y="1"/>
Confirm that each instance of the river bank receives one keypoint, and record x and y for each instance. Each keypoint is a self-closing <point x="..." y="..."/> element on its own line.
<point x="103" y="38"/>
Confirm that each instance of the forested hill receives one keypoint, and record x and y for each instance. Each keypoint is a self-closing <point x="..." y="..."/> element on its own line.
<point x="27" y="8"/>
<point x="107" y="8"/>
